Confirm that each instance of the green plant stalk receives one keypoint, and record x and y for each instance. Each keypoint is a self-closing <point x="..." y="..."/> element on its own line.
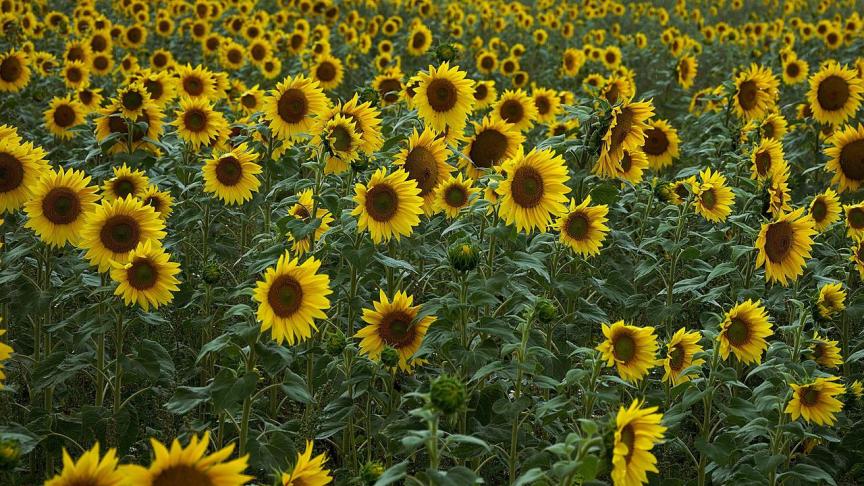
<point x="517" y="393"/>
<point x="247" y="402"/>
<point x="707" y="402"/>
<point x="777" y="440"/>
<point x="673" y="264"/>
<point x="433" y="444"/>
<point x="118" y="362"/>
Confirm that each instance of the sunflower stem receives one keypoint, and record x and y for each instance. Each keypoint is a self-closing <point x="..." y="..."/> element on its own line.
<point x="118" y="362"/>
<point x="247" y="402"/>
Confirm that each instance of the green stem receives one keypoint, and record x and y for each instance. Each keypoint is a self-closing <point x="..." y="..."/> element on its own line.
<point x="247" y="402"/>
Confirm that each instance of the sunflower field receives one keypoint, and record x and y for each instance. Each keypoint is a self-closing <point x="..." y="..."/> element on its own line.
<point x="431" y="242"/>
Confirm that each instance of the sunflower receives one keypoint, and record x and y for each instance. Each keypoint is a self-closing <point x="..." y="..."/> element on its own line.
<point x="516" y="108"/>
<point x="795" y="70"/>
<point x="824" y="209"/>
<point x="784" y="245"/>
<point x="484" y="94"/>
<point x="115" y="228"/>
<point x="661" y="144"/>
<point x="631" y="166"/>
<point x="494" y="141"/>
<point x="444" y="97"/>
<point x="62" y="115"/>
<point x="147" y="126"/>
<point x="755" y="92"/>
<point x="712" y="197"/>
<point x="679" y="355"/>
<point x="14" y="71"/>
<point x="389" y="86"/>
<point x="59" y="204"/>
<point x="425" y="161"/>
<point x="308" y="471"/>
<point x="302" y="211"/>
<point x="826" y="352"/>
<point x="291" y="108"/>
<point x="547" y="103"/>
<point x="76" y="75"/>
<point x="831" y="301"/>
<point x="132" y="99"/>
<point x="251" y="100"/>
<point x="198" y="123"/>
<point x="5" y="353"/>
<point x="160" y="86"/>
<point x="583" y="227"/>
<point x="232" y="175"/>
<point x="367" y="123"/>
<point x="778" y="196"/>
<point x="328" y="71"/>
<point x="342" y="143"/>
<point x="766" y="158"/>
<point x="854" y="220"/>
<point x="90" y="99"/>
<point x="686" y="70"/>
<point x="148" y="278"/>
<point x="21" y="167"/>
<point x="389" y="205"/>
<point x="420" y="39"/>
<point x="632" y="349"/>
<point x="773" y="126"/>
<point x="617" y="88"/>
<point x="846" y="157"/>
<point x="125" y="182"/>
<point x="534" y="190"/>
<point x="572" y="61"/>
<point x="743" y="332"/>
<point x="89" y="469"/>
<point x="637" y="431"/>
<point x="816" y="401"/>
<point x="626" y="131"/>
<point x="453" y="194"/>
<point x="196" y="83"/>
<point x="486" y="61"/>
<point x="857" y="257"/>
<point x="160" y="201"/>
<point x="189" y="465"/>
<point x="835" y="93"/>
<point x="395" y="324"/>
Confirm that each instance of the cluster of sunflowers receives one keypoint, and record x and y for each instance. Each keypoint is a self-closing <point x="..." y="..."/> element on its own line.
<point x="431" y="242"/>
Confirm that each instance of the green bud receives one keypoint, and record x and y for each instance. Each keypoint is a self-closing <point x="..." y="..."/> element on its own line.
<point x="10" y="452"/>
<point x="390" y="357"/>
<point x="448" y="394"/>
<point x="370" y="95"/>
<point x="371" y="471"/>
<point x="446" y="52"/>
<point x="545" y="311"/>
<point x="336" y="342"/>
<point x="212" y="273"/>
<point x="464" y="256"/>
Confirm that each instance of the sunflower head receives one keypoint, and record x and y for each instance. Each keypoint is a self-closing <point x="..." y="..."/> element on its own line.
<point x="816" y="401"/>
<point x="631" y="349"/>
<point x="743" y="332"/>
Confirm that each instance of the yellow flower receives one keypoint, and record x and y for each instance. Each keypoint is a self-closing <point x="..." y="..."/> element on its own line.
<point x="854" y="220"/>
<point x="21" y="166"/>
<point x="114" y="229"/>
<point x="832" y="299"/>
<point x="713" y="199"/>
<point x="233" y="175"/>
<point x="687" y="68"/>
<point x="516" y="108"/>
<point x="5" y="354"/>
<point x="846" y="157"/>
<point x="835" y="93"/>
<point x="816" y="401"/>
<point x="637" y="431"/>
<point x="308" y="471"/>
<point x="292" y="107"/>
<point x="290" y="298"/>
<point x="824" y="209"/>
<point x="62" y="115"/>
<point x="395" y="324"/>
<point x="148" y="278"/>
<point x="625" y="132"/>
<point x="632" y="349"/>
<point x="328" y="71"/>
<point x="661" y="144"/>
<point x="743" y="332"/>
<point x="444" y="97"/>
<point x="126" y="182"/>
<point x="89" y="469"/>
<point x="784" y="245"/>
<point x="14" y="71"/>
<point x="389" y="205"/>
<point x="494" y="141"/>
<point x="534" y="190"/>
<point x="826" y="352"/>
<point x="755" y="92"/>
<point x="453" y="194"/>
<point x="425" y="161"/>
<point x="198" y="123"/>
<point x="583" y="227"/>
<point x="302" y="211"/>
<point x="59" y="204"/>
<point x="767" y="159"/>
<point x="679" y="355"/>
<point x="189" y="465"/>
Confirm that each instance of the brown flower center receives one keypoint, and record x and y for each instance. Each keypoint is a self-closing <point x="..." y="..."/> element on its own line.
<point x="833" y="93"/>
<point x="326" y="72"/>
<point x="624" y="347"/>
<point x="577" y="226"/>
<point x="527" y="187"/>
<point x="747" y="93"/>
<point x="11" y="172"/>
<point x="193" y="85"/>
<point x="249" y="101"/>
<point x="543" y="105"/>
<point x="143" y="274"/>
<point x="382" y="202"/>
<point x="418" y="41"/>
<point x="292" y="106"/>
<point x="120" y="233"/>
<point x="396" y="329"/>
<point x="488" y="148"/>
<point x="778" y="241"/>
<point x="132" y="100"/>
<point x="763" y="163"/>
<point x="423" y="168"/>
<point x="708" y="198"/>
<point x="61" y="206"/>
<point x="512" y="111"/>
<point x="656" y="142"/>
<point x="628" y="438"/>
<point x="195" y="120"/>
<point x="389" y="90"/>
<point x="259" y="52"/>
<point x="228" y="170"/>
<point x="285" y="296"/>
<point x="340" y="139"/>
<point x="738" y="332"/>
<point x="856" y="218"/>
<point x="852" y="160"/>
<point x="64" y="116"/>
<point x="456" y="196"/>
<point x="809" y="396"/>
<point x="442" y="95"/>
<point x="819" y="210"/>
<point x="676" y="357"/>
<point x="182" y="474"/>
<point x="793" y="70"/>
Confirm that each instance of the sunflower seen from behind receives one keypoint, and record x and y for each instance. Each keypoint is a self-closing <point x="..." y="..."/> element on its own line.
<point x="389" y="205"/>
<point x="307" y="470"/>
<point x="189" y="465"/>
<point x="816" y="401"/>
<point x="393" y="323"/>
<point x="115" y="228"/>
<point x="637" y="431"/>
<point x="743" y="332"/>
<point x="425" y="160"/>
<point x="91" y="469"/>
<point x="444" y="97"/>
<point x="631" y="349"/>
<point x="293" y="106"/>
<point x="233" y="175"/>
<point x="534" y="190"/>
<point x="835" y="93"/>
<point x="148" y="279"/>
<point x="59" y="204"/>
<point x="784" y="246"/>
<point x="291" y="296"/>
<point x="583" y="227"/>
